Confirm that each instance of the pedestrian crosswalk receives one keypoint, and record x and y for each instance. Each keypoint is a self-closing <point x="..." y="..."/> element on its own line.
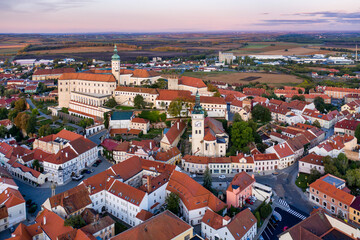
<point x="283" y="202"/>
<point x="289" y="210"/>
<point x="296" y="214"/>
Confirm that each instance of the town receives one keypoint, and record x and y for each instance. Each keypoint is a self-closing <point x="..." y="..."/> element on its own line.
<point x="133" y="151"/>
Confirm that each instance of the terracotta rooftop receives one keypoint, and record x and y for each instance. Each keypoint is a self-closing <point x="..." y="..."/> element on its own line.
<point x="332" y="191"/>
<point x="241" y="180"/>
<point x="192" y="82"/>
<point x="54" y="71"/>
<point x="88" y="77"/>
<point x="163" y="226"/>
<point x="136" y="89"/>
<point x="192" y="194"/>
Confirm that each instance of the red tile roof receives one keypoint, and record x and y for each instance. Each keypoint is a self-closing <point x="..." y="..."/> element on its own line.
<point x="176" y="129"/>
<point x="192" y="194"/>
<point x="143" y="73"/>
<point x="11" y="197"/>
<point x="192" y="82"/>
<point x="139" y="120"/>
<point x="241" y="180"/>
<point x="331" y="191"/>
<point x="88" y="77"/>
<point x="283" y="150"/>
<point x="169" y="95"/>
<point x="313" y="158"/>
<point x="52" y="224"/>
<point x="136" y="89"/>
<point x="163" y="226"/>
<point x="54" y="71"/>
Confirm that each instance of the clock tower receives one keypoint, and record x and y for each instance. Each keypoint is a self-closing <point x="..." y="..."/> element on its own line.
<point x="115" y="65"/>
<point x="197" y="122"/>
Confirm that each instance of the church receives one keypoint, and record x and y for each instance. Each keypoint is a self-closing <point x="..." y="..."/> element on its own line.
<point x="208" y="137"/>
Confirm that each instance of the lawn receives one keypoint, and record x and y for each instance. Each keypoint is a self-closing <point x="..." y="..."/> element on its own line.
<point x="302" y="181"/>
<point x="124" y="107"/>
<point x="153" y="133"/>
<point x="44" y="122"/>
<point x="119" y="227"/>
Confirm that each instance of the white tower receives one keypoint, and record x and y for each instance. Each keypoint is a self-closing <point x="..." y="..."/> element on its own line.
<point x="197" y="121"/>
<point x="115" y="65"/>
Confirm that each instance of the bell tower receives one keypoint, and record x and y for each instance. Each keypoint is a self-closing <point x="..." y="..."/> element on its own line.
<point x="197" y="122"/>
<point x="115" y="65"/>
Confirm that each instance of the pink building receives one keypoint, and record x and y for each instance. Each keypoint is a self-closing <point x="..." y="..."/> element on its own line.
<point x="239" y="189"/>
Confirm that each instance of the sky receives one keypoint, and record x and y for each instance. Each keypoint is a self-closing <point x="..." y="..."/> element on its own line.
<point x="84" y="16"/>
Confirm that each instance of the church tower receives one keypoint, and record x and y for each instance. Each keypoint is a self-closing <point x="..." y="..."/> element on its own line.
<point x="115" y="65"/>
<point x="197" y="122"/>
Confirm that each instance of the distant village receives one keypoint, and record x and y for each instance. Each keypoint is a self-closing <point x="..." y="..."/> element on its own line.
<point x="111" y="150"/>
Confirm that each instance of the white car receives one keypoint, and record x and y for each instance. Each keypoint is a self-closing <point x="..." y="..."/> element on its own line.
<point x="77" y="178"/>
<point x="222" y="177"/>
<point x="193" y="176"/>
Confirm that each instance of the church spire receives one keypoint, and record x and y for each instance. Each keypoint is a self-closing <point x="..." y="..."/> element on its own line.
<point x="115" y="56"/>
<point x="197" y="108"/>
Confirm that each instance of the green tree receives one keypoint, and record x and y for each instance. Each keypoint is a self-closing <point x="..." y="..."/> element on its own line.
<point x="36" y="165"/>
<point x="21" y="120"/>
<point x="12" y="114"/>
<point x="237" y="117"/>
<point x="139" y="102"/>
<point x="357" y="133"/>
<point x="314" y="175"/>
<point x="31" y="124"/>
<point x="35" y="112"/>
<point x="353" y="177"/>
<point x="316" y="123"/>
<point x="20" y="105"/>
<point x="298" y="97"/>
<point x="45" y="130"/>
<point x="41" y="87"/>
<point x="257" y="216"/>
<point x="261" y="113"/>
<point x="241" y="134"/>
<point x="106" y="119"/>
<point x="265" y="211"/>
<point x="207" y="179"/>
<point x="173" y="203"/>
<point x="175" y="107"/>
<point x="54" y="119"/>
<point x="75" y="222"/>
<point x="111" y="103"/>
<point x="3" y="113"/>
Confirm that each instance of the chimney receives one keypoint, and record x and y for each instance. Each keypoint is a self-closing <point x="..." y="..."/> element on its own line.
<point x="178" y="125"/>
<point x="150" y="145"/>
<point x="148" y="183"/>
<point x="97" y="217"/>
<point x="44" y="220"/>
<point x="253" y="177"/>
<point x="66" y="194"/>
<point x="66" y="154"/>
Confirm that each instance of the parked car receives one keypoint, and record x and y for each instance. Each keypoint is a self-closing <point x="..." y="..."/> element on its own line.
<point x="285" y="228"/>
<point x="193" y="175"/>
<point x="77" y="178"/>
<point x="249" y="201"/>
<point x="275" y="173"/>
<point x="222" y="176"/>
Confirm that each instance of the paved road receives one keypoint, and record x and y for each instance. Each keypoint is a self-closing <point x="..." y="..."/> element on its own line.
<point x="96" y="138"/>
<point x="285" y="188"/>
<point x="40" y="194"/>
<point x="28" y="100"/>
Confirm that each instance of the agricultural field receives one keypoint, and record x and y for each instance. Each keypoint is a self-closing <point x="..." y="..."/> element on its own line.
<point x="272" y="79"/>
<point x="278" y="48"/>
